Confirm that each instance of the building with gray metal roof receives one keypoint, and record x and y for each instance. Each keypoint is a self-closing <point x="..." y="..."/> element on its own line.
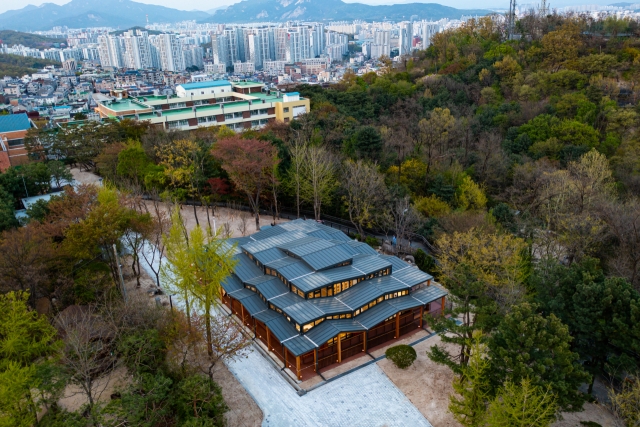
<point x="315" y="297"/>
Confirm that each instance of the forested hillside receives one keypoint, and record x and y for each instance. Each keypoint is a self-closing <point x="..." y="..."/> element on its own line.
<point x="18" y="66"/>
<point x="10" y="37"/>
<point x="518" y="162"/>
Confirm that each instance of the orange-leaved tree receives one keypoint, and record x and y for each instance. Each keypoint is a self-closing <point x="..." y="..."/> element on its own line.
<point x="249" y="164"/>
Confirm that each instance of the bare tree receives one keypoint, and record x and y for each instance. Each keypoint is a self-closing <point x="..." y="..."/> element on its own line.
<point x="364" y="193"/>
<point x="298" y="152"/>
<point x="88" y="357"/>
<point x="227" y="340"/>
<point x="154" y="249"/>
<point x="243" y="223"/>
<point x="226" y="230"/>
<point x="623" y="224"/>
<point x="405" y="220"/>
<point x="319" y="177"/>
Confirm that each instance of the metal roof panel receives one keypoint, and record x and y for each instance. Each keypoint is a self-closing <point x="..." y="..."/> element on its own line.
<point x="376" y="314"/>
<point x="330" y="306"/>
<point x="286" y="300"/>
<point x="327" y="257"/>
<point x="272" y="288"/>
<point x="303" y="312"/>
<point x="429" y="294"/>
<point x="281" y="328"/>
<point x="412" y="276"/>
<point x="265" y="316"/>
<point x="245" y="268"/>
<point x="254" y="304"/>
<point x="299" y="345"/>
<point x="231" y="284"/>
<point x="404" y="303"/>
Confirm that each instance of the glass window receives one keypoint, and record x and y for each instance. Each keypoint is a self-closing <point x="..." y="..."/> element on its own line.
<point x="311" y="295"/>
<point x="323" y="292"/>
<point x="286" y="109"/>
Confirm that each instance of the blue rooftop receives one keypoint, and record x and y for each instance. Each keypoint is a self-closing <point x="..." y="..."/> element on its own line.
<point x="200" y="85"/>
<point x="14" y="122"/>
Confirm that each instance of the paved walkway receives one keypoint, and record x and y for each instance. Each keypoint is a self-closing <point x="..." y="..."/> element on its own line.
<point x="365" y="398"/>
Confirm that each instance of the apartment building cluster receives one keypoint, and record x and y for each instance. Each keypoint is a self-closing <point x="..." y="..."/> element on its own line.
<point x="247" y="48"/>
<point x="139" y="50"/>
<point x="77" y="54"/>
<point x="380" y="39"/>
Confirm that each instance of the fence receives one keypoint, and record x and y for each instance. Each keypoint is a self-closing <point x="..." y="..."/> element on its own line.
<point x="328" y="220"/>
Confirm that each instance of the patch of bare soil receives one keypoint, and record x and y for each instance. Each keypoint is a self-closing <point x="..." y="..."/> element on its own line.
<point x="591" y="412"/>
<point x="231" y="222"/>
<point x="243" y="410"/>
<point x="84" y="177"/>
<point x="73" y="397"/>
<point x="428" y="386"/>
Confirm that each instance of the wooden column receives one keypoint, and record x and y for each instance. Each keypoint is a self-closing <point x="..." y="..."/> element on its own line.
<point x="442" y="306"/>
<point x="284" y="354"/>
<point x="242" y="312"/>
<point x="339" y="349"/>
<point x="268" y="338"/>
<point x="421" y="315"/>
<point x="298" y="368"/>
<point x="364" y="342"/>
<point x="397" y="325"/>
<point x="315" y="359"/>
<point x="255" y="329"/>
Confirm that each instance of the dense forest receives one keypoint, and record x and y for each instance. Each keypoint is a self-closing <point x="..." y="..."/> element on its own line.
<point x="18" y="66"/>
<point x="517" y="160"/>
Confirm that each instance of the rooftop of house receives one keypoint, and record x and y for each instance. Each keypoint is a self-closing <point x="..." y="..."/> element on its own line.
<point x="202" y="85"/>
<point x="248" y="84"/>
<point x="14" y="122"/>
<point x="125" y="105"/>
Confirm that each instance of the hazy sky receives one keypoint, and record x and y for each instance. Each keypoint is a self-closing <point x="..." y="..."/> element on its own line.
<point x="211" y="4"/>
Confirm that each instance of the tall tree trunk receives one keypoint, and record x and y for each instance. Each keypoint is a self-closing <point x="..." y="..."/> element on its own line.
<point x="195" y="214"/>
<point x="206" y="206"/>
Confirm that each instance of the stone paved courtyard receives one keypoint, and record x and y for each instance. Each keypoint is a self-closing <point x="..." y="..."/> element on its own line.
<point x="365" y="398"/>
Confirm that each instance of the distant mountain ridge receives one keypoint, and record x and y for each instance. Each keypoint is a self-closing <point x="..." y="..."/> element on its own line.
<point x="332" y="10"/>
<point x="126" y="13"/>
<point x="93" y="13"/>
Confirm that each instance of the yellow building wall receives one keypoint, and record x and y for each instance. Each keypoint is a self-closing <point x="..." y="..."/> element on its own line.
<point x="281" y="115"/>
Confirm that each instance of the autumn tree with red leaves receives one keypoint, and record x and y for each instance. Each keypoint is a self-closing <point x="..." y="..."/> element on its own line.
<point x="249" y="164"/>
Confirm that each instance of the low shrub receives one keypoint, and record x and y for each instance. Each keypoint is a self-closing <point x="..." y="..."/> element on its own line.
<point x="401" y="355"/>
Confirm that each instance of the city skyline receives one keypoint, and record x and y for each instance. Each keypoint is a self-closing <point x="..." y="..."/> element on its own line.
<point x="207" y="5"/>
